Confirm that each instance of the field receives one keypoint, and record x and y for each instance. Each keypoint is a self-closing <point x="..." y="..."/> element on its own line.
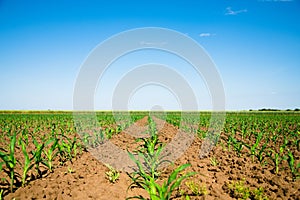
<point x="48" y="155"/>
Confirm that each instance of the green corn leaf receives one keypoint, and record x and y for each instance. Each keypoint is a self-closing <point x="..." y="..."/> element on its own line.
<point x="177" y="183"/>
<point x="27" y="165"/>
<point x="174" y="174"/>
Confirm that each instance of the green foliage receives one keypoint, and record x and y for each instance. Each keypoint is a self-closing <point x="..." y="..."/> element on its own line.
<point x="253" y="147"/>
<point x="27" y="163"/>
<point x="294" y="167"/>
<point x="146" y="174"/>
<point x="258" y="194"/>
<point x="37" y="155"/>
<point x="276" y="159"/>
<point x="9" y="159"/>
<point x="238" y="146"/>
<point x="271" y="138"/>
<point x="112" y="175"/>
<point x="239" y="190"/>
<point x="213" y="161"/>
<point x="68" y="148"/>
<point x="1" y="193"/>
<point x="157" y="192"/>
<point x="196" y="188"/>
<point x="50" y="153"/>
<point x="150" y="151"/>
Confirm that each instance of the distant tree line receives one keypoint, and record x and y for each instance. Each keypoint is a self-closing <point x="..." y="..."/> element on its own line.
<point x="272" y="109"/>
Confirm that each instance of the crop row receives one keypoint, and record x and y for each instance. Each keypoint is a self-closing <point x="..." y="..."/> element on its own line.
<point x="271" y="138"/>
<point x="34" y="144"/>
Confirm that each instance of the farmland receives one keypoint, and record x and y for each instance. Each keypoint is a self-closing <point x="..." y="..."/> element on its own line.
<point x="49" y="155"/>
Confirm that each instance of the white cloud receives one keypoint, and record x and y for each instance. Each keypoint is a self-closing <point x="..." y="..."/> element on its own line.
<point x="206" y="34"/>
<point x="145" y="43"/>
<point x="229" y="11"/>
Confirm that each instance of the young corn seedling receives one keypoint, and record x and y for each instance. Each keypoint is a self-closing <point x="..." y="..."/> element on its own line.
<point x="285" y="142"/>
<point x="67" y="149"/>
<point x="238" y="146"/>
<point x="293" y="166"/>
<point x="50" y="153"/>
<point x="10" y="160"/>
<point x="150" y="151"/>
<point x="112" y="175"/>
<point x="25" y="136"/>
<point x="150" y="154"/>
<point x="37" y="155"/>
<point x="27" y="163"/>
<point x="109" y="132"/>
<point x="98" y="138"/>
<point x="253" y="147"/>
<point x="230" y="141"/>
<point x="165" y="191"/>
<point x="157" y="192"/>
<point x="276" y="158"/>
<point x="274" y="138"/>
<point x="77" y="148"/>
<point x="86" y="139"/>
<point x="260" y="154"/>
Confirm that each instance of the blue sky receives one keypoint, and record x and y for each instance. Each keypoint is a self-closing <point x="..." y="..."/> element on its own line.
<point x="255" y="45"/>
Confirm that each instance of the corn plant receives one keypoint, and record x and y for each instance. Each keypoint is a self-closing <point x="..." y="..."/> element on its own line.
<point x="98" y="138"/>
<point x="27" y="163"/>
<point x="25" y="136"/>
<point x="230" y="141"/>
<point x="68" y="148"/>
<point x="293" y="166"/>
<point x="260" y="153"/>
<point x="285" y="142"/>
<point x="276" y="159"/>
<point x="86" y="139"/>
<point x="50" y="153"/>
<point x="274" y="138"/>
<point x="238" y="146"/>
<point x="157" y="192"/>
<point x="37" y="155"/>
<point x="150" y="151"/>
<point x="9" y="159"/>
<point x="151" y="161"/>
<point x="253" y="147"/>
<point x="109" y="132"/>
<point x="201" y="134"/>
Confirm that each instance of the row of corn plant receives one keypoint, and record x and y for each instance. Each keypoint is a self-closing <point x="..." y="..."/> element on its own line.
<point x="271" y="138"/>
<point x="148" y="161"/>
<point x="29" y="151"/>
<point x="40" y="139"/>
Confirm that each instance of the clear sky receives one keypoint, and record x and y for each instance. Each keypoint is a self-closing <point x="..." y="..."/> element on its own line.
<point x="255" y="45"/>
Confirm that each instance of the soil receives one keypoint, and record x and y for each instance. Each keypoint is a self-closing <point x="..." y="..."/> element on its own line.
<point x="84" y="178"/>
